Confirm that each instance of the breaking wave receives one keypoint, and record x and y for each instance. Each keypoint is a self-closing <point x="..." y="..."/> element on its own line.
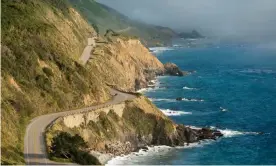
<point x="169" y="112"/>
<point x="187" y="88"/>
<point x="152" y="152"/>
<point x="174" y="100"/>
<point x="229" y="132"/>
<point x="158" y="50"/>
<point x="223" y="109"/>
<point x="233" y="133"/>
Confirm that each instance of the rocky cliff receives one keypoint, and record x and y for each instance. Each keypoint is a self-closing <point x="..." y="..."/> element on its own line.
<point x="124" y="128"/>
<point x="40" y="72"/>
<point x="125" y="63"/>
<point x="40" y="47"/>
<point x="119" y="129"/>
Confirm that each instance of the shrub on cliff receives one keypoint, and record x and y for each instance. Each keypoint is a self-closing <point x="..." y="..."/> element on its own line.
<point x="69" y="147"/>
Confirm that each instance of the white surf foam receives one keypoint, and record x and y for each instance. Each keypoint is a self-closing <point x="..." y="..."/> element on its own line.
<point x="228" y="132"/>
<point x="187" y="88"/>
<point x="141" y="155"/>
<point x="152" y="152"/>
<point x="174" y="100"/>
<point x="142" y="90"/>
<point x="150" y="89"/>
<point x="233" y="133"/>
<point x="152" y="85"/>
<point x="169" y="112"/>
<point x="184" y="99"/>
<point x="158" y="50"/>
<point x="223" y="109"/>
<point x="168" y="100"/>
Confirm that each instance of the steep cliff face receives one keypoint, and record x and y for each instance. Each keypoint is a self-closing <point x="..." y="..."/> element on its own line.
<point x="124" y="128"/>
<point x="120" y="129"/>
<point x="125" y="63"/>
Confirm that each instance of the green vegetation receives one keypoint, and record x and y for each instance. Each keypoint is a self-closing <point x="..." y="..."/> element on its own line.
<point x="141" y="123"/>
<point x="48" y="71"/>
<point x="40" y="47"/>
<point x="106" y="18"/>
<point x="72" y="149"/>
<point x="190" y="35"/>
<point x="147" y="123"/>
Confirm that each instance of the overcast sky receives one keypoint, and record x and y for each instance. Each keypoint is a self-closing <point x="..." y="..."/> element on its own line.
<point x="210" y="17"/>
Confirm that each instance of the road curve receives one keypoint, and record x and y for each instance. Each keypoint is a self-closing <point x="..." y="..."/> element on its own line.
<point x="34" y="141"/>
<point x="87" y="50"/>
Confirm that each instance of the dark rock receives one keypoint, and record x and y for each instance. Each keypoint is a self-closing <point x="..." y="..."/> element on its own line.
<point x="173" y="69"/>
<point x="206" y="133"/>
<point x="217" y="134"/>
<point x="191" y="136"/>
<point x="179" y="98"/>
<point x="145" y="148"/>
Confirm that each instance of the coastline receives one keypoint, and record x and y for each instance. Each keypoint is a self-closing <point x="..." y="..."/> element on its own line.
<point x="162" y="150"/>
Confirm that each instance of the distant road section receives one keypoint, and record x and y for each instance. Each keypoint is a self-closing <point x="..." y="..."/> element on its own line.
<point x="34" y="142"/>
<point x="87" y="50"/>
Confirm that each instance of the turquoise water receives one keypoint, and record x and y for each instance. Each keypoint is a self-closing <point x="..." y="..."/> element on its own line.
<point x="234" y="90"/>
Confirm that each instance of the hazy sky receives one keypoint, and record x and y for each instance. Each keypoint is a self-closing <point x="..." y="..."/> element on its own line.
<point x="211" y="17"/>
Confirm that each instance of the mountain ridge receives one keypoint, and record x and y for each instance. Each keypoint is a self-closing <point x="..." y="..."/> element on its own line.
<point x="107" y="18"/>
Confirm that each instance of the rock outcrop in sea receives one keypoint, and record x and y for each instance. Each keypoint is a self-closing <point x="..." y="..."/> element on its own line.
<point x="173" y="70"/>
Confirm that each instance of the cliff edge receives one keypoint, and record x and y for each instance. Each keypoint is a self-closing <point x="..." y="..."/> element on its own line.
<point x="121" y="129"/>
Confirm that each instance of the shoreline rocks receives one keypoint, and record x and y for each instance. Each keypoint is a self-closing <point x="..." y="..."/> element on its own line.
<point x="179" y="98"/>
<point x="173" y="70"/>
<point x="127" y="127"/>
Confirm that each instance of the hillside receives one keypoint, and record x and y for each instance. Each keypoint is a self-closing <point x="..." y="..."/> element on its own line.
<point x="190" y="35"/>
<point x="41" y="45"/>
<point x="41" y="41"/>
<point x="107" y="18"/>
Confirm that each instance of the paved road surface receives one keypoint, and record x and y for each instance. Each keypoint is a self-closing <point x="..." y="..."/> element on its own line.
<point x="34" y="142"/>
<point x="87" y="50"/>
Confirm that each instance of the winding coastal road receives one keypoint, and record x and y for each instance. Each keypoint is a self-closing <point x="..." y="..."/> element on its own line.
<point x="34" y="141"/>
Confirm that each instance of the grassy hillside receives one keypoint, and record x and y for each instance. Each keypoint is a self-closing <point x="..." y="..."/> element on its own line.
<point x="41" y="42"/>
<point x="107" y="18"/>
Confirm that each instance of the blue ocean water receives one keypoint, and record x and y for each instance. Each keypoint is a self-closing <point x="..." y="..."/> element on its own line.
<point x="234" y="90"/>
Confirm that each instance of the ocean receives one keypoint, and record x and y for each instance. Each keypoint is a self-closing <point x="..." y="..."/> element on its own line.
<point x="232" y="89"/>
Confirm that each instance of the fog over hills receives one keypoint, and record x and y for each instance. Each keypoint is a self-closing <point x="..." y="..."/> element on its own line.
<point x="247" y="18"/>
